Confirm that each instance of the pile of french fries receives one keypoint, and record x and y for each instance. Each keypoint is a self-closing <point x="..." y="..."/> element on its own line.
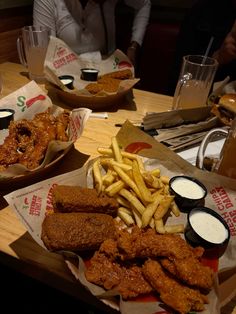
<point x="143" y="196"/>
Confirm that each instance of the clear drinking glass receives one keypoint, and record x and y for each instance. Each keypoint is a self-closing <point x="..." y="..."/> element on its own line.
<point x="226" y="164"/>
<point x="32" y="48"/>
<point x="195" y="81"/>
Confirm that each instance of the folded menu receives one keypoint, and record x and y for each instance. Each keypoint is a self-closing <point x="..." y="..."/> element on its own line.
<point x="180" y="129"/>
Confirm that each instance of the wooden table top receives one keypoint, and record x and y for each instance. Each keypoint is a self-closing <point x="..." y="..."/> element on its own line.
<point x="17" y="248"/>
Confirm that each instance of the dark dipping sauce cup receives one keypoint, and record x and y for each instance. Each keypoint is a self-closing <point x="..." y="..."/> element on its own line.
<point x="6" y="116"/>
<point x="189" y="192"/>
<point x="67" y="80"/>
<point x="207" y="229"/>
<point x="89" y="74"/>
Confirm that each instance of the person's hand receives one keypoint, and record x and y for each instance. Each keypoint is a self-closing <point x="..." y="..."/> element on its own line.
<point x="227" y="51"/>
<point x="132" y="52"/>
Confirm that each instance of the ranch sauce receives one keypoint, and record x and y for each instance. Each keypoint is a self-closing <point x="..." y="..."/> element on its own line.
<point x="208" y="227"/>
<point x="90" y="70"/>
<point x="66" y="81"/>
<point x="187" y="188"/>
<point x="4" y="114"/>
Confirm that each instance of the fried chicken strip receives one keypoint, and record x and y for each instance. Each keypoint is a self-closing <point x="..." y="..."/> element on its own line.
<point x="62" y="123"/>
<point x="191" y="275"/>
<point x="106" y="271"/>
<point x="148" y="243"/>
<point x="8" y="152"/>
<point x="76" y="231"/>
<point x="78" y="199"/>
<point x="103" y="271"/>
<point x="109" y="82"/>
<point x="181" y="298"/>
<point x="184" y="258"/>
<point x="32" y="143"/>
<point x="119" y="75"/>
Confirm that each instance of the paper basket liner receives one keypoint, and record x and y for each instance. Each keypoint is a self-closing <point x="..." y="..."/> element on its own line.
<point x="32" y="203"/>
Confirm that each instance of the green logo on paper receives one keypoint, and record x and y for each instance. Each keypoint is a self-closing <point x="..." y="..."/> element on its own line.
<point x="21" y="102"/>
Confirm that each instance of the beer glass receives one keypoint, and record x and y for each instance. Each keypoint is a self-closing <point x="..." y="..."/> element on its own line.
<point x="195" y="81"/>
<point x="32" y="48"/>
<point x="226" y="164"/>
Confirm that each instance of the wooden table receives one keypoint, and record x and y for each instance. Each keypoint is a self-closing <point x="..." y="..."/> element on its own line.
<point x="17" y="248"/>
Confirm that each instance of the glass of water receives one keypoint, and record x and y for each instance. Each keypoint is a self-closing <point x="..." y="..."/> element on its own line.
<point x="195" y="81"/>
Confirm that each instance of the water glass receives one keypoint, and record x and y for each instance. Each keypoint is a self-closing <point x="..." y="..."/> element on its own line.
<point x="32" y="48"/>
<point x="195" y="82"/>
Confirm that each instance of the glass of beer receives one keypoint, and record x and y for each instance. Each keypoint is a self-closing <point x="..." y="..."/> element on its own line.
<point x="195" y="82"/>
<point x="32" y="48"/>
<point x="225" y="165"/>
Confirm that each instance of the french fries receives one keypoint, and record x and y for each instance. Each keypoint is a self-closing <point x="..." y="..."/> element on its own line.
<point x="116" y="149"/>
<point x="126" y="216"/>
<point x="175" y="209"/>
<point x="144" y="191"/>
<point x="143" y="195"/>
<point x="97" y="176"/>
<point x="150" y="211"/>
<point x="159" y="225"/>
<point x="114" y="188"/>
<point x="174" y="228"/>
<point x="134" y="201"/>
<point x="163" y="207"/>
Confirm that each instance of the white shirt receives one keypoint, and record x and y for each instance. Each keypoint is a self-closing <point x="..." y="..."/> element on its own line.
<point x="83" y="30"/>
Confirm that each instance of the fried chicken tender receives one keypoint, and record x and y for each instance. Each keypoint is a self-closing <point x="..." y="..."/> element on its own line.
<point x="45" y="122"/>
<point x="119" y="75"/>
<point x="109" y="82"/>
<point x="108" y="85"/>
<point x="117" y="265"/>
<point x="179" y="297"/>
<point x="28" y="140"/>
<point x="184" y="260"/>
<point x="133" y="283"/>
<point x="94" y="88"/>
<point x="105" y="270"/>
<point x="76" y="231"/>
<point x="8" y="152"/>
<point x="54" y="127"/>
<point x="34" y="153"/>
<point x="191" y="275"/>
<point x="78" y="199"/>
<point x="62" y="123"/>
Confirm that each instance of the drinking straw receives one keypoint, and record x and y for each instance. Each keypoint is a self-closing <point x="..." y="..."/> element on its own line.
<point x="207" y="50"/>
<point x="205" y="57"/>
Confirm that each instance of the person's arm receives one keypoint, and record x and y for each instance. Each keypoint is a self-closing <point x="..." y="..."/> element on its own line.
<point x="142" y="12"/>
<point x="44" y="14"/>
<point x="227" y="51"/>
